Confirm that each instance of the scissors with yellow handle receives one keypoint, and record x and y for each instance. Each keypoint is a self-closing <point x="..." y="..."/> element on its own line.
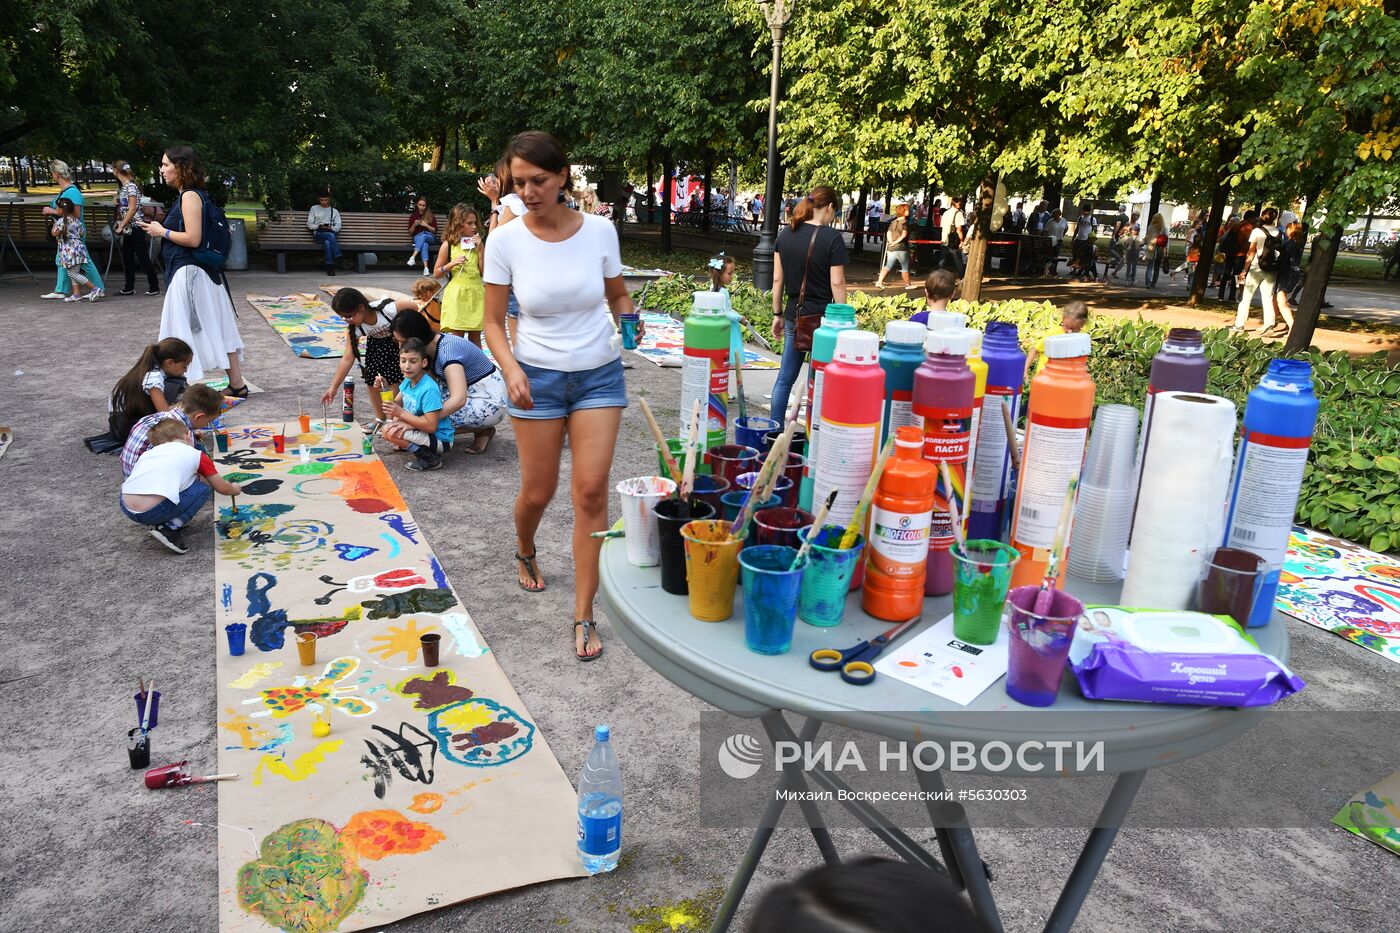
<point x="856" y="664"/>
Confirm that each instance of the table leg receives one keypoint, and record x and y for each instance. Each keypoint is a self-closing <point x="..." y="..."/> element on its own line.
<point x="1091" y="858"/>
<point x="778" y="730"/>
<point x="955" y="838"/>
<point x="743" y="875"/>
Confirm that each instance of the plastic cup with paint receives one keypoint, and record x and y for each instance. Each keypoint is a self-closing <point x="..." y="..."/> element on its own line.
<point x="430" y="643"/>
<point x="629" y="321"/>
<point x="367" y="445"/>
<point x="279" y="443"/>
<point x="639" y="497"/>
<point x="771" y="592"/>
<point x="155" y="708"/>
<point x="320" y="720"/>
<point x="221" y="441"/>
<point x="304" y="452"/>
<point x="138" y="749"/>
<point x="798" y="445"/>
<point x="796" y="463"/>
<point x="981" y="578"/>
<point x="671" y="516"/>
<point x="304" y="423"/>
<point x="752" y="431"/>
<point x="730" y="460"/>
<point x="387" y="396"/>
<point x="731" y="502"/>
<point x="1039" y="644"/>
<point x="712" y="568"/>
<point x="237" y="633"/>
<point x="828" y="576"/>
<point x="306" y="648"/>
<point x="710" y="489"/>
<point x="1230" y="584"/>
<point x="780" y="526"/>
<point x="784" y="488"/>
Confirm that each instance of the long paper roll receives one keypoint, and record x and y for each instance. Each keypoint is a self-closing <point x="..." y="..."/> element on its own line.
<point x="1180" y="515"/>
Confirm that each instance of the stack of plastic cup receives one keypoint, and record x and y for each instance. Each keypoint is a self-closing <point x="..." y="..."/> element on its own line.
<point x="1103" y="514"/>
<point x="639" y="497"/>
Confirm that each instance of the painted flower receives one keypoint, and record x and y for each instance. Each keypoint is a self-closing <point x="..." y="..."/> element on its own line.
<point x="375" y="834"/>
<point x="305" y="878"/>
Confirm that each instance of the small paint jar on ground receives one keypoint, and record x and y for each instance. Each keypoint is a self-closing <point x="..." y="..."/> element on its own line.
<point x="780" y="526"/>
<point x="828" y="576"/>
<point x="237" y="633"/>
<point x="772" y="587"/>
<point x="671" y="516"/>
<point x="221" y="441"/>
<point x="279" y="443"/>
<point x="711" y="568"/>
<point x="709" y="489"/>
<point x="751" y="430"/>
<point x="138" y="749"/>
<point x="306" y="648"/>
<point x="304" y="423"/>
<point x="430" y="643"/>
<point x="320" y="721"/>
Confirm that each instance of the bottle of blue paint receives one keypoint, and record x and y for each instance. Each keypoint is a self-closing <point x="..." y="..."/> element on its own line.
<point x="902" y="353"/>
<point x="992" y="493"/>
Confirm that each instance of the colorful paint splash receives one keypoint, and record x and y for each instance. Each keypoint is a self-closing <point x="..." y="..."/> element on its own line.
<point x="377" y="834"/>
<point x="481" y="733"/>
<point x="434" y="691"/>
<point x="1344" y="589"/>
<point x="397" y="640"/>
<point x="301" y="768"/>
<point x="281" y="702"/>
<point x="258" y="672"/>
<point x="306" y="323"/>
<point x="463" y="634"/>
<point x="255" y="737"/>
<point x="304" y="880"/>
<point x="427" y="802"/>
<point x="366" y="486"/>
<point x="411" y="601"/>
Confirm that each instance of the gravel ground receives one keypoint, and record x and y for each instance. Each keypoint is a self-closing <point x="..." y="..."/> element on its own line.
<point x="91" y="602"/>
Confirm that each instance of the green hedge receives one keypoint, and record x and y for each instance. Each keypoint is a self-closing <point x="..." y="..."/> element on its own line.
<point x="392" y="190"/>
<point x="1351" y="487"/>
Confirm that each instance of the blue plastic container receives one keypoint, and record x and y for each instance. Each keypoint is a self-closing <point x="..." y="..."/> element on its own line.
<point x="827" y="579"/>
<point x="899" y="357"/>
<point x="992" y="491"/>
<point x="771" y="590"/>
<point x="1278" y="426"/>
<point x="733" y="500"/>
<point x="749" y="431"/>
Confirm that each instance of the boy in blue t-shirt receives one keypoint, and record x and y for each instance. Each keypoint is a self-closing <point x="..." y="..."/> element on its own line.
<point x="414" y="419"/>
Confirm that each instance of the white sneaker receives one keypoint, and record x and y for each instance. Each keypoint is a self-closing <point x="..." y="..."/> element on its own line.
<point x="95" y="294"/>
<point x="53" y="295"/>
<point x="73" y="297"/>
<point x="427" y="272"/>
<point x="410" y="260"/>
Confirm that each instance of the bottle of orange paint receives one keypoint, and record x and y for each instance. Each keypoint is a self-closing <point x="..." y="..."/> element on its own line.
<point x="897" y="556"/>
<point x="1057" y="429"/>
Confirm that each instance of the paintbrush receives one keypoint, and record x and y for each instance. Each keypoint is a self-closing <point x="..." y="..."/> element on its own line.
<point x="816" y="528"/>
<point x="661" y="445"/>
<point x="1011" y="436"/>
<point x="739" y="383"/>
<point x="610" y="533"/>
<point x="952" y="503"/>
<point x="688" y="476"/>
<point x="858" y="517"/>
<point x="1046" y="596"/>
<point x="147" y="697"/>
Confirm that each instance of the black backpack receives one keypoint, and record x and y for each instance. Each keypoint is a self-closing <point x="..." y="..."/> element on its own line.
<point x="1270" y="258"/>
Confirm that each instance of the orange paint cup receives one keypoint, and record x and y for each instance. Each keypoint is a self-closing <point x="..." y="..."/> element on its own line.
<point x="306" y="648"/>
<point x="711" y="568"/>
<point x="304" y="422"/>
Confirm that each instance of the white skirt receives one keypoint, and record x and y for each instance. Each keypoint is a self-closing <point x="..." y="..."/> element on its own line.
<point x="201" y="314"/>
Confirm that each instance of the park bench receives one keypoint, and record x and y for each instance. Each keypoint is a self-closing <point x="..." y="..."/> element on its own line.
<point x="28" y="227"/>
<point x="285" y="232"/>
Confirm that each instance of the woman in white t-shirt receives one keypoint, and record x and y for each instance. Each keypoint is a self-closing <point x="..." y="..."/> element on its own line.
<point x="564" y="369"/>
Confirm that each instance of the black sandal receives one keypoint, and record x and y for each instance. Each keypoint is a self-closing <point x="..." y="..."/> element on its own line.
<point x="240" y="392"/>
<point x="534" y="576"/>
<point x="589" y="626"/>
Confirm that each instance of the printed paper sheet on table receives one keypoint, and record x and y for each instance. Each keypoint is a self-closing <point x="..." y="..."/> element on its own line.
<point x="434" y="785"/>
<point x="305" y="322"/>
<point x="1343" y="588"/>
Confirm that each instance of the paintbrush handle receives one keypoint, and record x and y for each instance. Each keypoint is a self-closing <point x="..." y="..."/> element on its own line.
<point x="214" y="777"/>
<point x="670" y="461"/>
<point x="818" y="522"/>
<point x="954" y="517"/>
<point x="1010" y="435"/>
<point x="1057" y="548"/>
<point x="853" y="529"/>
<point x="146" y="707"/>
<point x="688" y="480"/>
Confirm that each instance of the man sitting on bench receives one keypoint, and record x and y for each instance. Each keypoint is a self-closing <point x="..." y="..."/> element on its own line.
<point x="324" y="223"/>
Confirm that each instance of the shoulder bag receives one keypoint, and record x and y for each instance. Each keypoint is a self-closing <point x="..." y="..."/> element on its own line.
<point x="807" y="324"/>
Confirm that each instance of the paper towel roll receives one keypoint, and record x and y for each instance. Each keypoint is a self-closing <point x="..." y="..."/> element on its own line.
<point x="1180" y="516"/>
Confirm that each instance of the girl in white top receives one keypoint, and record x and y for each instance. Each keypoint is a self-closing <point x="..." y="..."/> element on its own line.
<point x="564" y="372"/>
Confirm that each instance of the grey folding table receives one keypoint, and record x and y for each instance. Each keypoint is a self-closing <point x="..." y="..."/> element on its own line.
<point x="711" y="662"/>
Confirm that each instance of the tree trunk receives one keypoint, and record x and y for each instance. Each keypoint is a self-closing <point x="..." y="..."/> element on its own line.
<point x="439" y="150"/>
<point x="858" y="228"/>
<point x="1228" y="151"/>
<point x="1324" y="256"/>
<point x="1155" y="200"/>
<point x="1055" y="193"/>
<point x="456" y="148"/>
<point x="889" y="197"/>
<point x="705" y="200"/>
<point x="667" y="180"/>
<point x="977" y="245"/>
<point x="651" y="191"/>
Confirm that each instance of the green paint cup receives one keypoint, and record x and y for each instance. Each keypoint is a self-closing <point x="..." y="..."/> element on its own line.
<point x="828" y="576"/>
<point x="677" y="447"/>
<point x="982" y="577"/>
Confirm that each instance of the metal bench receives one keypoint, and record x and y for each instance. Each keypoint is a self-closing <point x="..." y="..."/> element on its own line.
<point x="285" y="232"/>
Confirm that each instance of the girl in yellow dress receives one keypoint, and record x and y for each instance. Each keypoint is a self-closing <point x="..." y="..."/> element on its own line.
<point x="459" y="257"/>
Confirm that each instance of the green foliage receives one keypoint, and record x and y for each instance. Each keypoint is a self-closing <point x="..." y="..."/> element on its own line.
<point x="391" y="188"/>
<point x="1351" y="487"/>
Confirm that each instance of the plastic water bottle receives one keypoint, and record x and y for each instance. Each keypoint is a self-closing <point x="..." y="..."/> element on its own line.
<point x="600" y="806"/>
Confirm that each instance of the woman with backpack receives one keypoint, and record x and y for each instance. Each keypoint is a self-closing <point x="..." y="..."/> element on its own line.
<point x="198" y="308"/>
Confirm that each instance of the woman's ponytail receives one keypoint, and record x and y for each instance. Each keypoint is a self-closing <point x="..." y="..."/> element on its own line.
<point x="820" y="196"/>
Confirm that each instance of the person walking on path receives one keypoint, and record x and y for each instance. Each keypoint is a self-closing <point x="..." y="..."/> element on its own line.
<point x="1235" y="246"/>
<point x="423" y="227"/>
<point x="136" y="246"/>
<point x="896" y="248"/>
<point x="1055" y="229"/>
<point x="809" y="262"/>
<point x="198" y="308"/>
<point x="564" y="372"/>
<point x="63" y="177"/>
<point x="324" y="223"/>
<point x="1259" y="271"/>
<point x="1156" y="241"/>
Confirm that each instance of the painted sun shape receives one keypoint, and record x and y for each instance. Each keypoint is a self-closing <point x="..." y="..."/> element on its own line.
<point x="399" y="639"/>
<point x="282" y="702"/>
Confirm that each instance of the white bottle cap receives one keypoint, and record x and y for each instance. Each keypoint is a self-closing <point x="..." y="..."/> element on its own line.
<point x="951" y="342"/>
<point x="946" y="320"/>
<point x="707" y="302"/>
<point x="905" y="332"/>
<point x="976" y="349"/>
<point x="1066" y="346"/>
<point x="860" y="347"/>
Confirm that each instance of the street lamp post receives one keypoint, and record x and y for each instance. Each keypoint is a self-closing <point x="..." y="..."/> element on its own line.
<point x="777" y="13"/>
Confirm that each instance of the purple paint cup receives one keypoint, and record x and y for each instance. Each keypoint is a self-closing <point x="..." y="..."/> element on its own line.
<point x="730" y="460"/>
<point x="784" y="488"/>
<point x="708" y="489"/>
<point x="237" y="633"/>
<point x="779" y="527"/>
<point x="1039" y="644"/>
<point x="155" y="708"/>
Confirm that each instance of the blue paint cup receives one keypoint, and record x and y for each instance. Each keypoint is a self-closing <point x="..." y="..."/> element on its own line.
<point x="750" y="432"/>
<point x="710" y="489"/>
<point x="237" y="636"/>
<point x="629" y="323"/>
<point x="771" y="592"/>
<point x="733" y="500"/>
<point x="828" y="576"/>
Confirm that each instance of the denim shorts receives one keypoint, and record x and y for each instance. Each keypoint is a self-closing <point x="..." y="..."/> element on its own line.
<point x="557" y="394"/>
